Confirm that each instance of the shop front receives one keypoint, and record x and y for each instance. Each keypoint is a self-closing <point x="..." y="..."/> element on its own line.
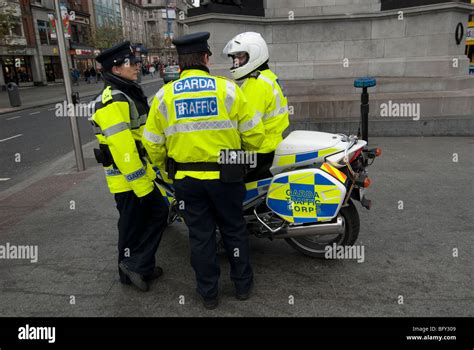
<point x="17" y="69"/>
<point x="83" y="58"/>
<point x="52" y="67"/>
<point x="470" y="44"/>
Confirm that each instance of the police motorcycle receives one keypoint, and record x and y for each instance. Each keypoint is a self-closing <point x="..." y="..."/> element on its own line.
<point x="309" y="201"/>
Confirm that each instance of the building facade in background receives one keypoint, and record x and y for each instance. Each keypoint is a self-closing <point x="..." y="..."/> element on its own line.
<point x="350" y="38"/>
<point x="134" y="21"/>
<point x="105" y="12"/>
<point x="18" y="56"/>
<point x="163" y="22"/>
<point x="470" y="41"/>
<point x="81" y="49"/>
<point x="46" y="41"/>
<point x="30" y="55"/>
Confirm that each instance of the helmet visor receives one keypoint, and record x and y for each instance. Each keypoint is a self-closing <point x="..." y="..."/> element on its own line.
<point x="239" y="59"/>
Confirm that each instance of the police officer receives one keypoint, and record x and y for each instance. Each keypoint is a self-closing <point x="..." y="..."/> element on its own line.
<point x="120" y="113"/>
<point x="261" y="86"/>
<point x="191" y="122"/>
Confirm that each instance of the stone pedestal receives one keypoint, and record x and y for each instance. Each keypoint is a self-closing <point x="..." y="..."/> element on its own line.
<point x="247" y="8"/>
<point x="318" y="47"/>
<point x="285" y="8"/>
<point x="318" y="39"/>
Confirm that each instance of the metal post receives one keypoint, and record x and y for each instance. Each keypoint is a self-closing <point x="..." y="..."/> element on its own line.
<point x="364" y="83"/>
<point x="169" y="23"/>
<point x="364" y="112"/>
<point x="67" y="84"/>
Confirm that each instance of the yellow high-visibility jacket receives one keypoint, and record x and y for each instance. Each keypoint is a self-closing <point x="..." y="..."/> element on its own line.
<point x="117" y="123"/>
<point x="192" y="119"/>
<point x="265" y="94"/>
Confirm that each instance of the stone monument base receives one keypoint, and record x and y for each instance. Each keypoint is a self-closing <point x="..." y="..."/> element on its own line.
<point x="422" y="43"/>
<point x="248" y="8"/>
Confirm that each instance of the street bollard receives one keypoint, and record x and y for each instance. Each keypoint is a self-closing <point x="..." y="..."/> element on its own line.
<point x="14" y="95"/>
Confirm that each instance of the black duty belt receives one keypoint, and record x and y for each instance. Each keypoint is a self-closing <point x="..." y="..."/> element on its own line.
<point x="199" y="166"/>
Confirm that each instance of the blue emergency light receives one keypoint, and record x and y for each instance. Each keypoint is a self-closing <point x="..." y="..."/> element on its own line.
<point x="365" y="82"/>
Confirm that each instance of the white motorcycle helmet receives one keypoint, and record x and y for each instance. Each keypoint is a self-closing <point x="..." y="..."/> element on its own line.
<point x="254" y="46"/>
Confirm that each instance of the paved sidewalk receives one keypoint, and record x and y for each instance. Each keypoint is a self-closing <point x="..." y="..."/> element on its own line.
<point x="44" y="95"/>
<point x="72" y="219"/>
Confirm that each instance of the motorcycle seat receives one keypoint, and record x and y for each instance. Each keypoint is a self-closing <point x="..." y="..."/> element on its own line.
<point x="301" y="141"/>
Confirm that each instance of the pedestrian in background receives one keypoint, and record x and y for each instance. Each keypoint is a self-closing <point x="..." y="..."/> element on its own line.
<point x="87" y="76"/>
<point x="93" y="74"/>
<point x="74" y="77"/>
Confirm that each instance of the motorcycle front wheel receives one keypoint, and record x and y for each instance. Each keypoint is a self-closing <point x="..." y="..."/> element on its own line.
<point x="315" y="246"/>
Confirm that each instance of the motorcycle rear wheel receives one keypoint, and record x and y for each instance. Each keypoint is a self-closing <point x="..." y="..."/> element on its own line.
<point x="315" y="246"/>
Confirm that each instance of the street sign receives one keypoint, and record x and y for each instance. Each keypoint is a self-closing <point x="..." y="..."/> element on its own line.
<point x="52" y="26"/>
<point x="65" y="20"/>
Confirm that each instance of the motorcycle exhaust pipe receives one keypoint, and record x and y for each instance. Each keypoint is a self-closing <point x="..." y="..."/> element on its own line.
<point x="332" y="228"/>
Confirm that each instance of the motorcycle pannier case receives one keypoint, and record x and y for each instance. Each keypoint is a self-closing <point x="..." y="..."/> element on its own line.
<point x="305" y="196"/>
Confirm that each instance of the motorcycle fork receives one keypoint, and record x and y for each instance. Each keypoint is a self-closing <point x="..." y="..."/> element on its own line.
<point x="348" y="194"/>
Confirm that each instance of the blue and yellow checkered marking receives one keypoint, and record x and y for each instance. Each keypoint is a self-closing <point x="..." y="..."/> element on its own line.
<point x="321" y="180"/>
<point x="281" y="180"/>
<point x="306" y="156"/>
<point x="256" y="188"/>
<point x="281" y="207"/>
<point x="251" y="194"/>
<point x="302" y="157"/>
<point x="304" y="197"/>
<point x="167" y="196"/>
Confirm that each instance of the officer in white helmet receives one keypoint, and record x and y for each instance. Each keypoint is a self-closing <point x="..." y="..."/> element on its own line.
<point x="249" y="53"/>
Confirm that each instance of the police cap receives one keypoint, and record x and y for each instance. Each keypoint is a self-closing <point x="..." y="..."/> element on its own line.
<point x="117" y="55"/>
<point x="193" y="43"/>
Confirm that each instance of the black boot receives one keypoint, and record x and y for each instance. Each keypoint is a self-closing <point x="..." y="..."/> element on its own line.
<point x="135" y="278"/>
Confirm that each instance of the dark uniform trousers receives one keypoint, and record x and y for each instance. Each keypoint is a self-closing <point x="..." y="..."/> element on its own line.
<point x="208" y="203"/>
<point x="141" y="225"/>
